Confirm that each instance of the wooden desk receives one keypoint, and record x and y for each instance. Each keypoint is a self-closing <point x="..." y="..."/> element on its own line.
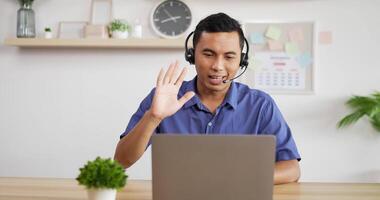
<point x="53" y="189"/>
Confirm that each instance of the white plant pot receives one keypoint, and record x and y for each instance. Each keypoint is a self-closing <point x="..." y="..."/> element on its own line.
<point x="48" y="35"/>
<point x="101" y="194"/>
<point x="120" y="35"/>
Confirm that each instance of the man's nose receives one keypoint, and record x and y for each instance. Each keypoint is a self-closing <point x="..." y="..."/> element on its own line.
<point x="218" y="64"/>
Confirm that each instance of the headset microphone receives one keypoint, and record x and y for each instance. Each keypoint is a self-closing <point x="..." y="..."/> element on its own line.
<point x="230" y="80"/>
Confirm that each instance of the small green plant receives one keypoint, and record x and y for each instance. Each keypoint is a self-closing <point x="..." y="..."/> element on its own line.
<point x="47" y="29"/>
<point x="118" y="25"/>
<point x="26" y="2"/>
<point x="102" y="173"/>
<point x="363" y="106"/>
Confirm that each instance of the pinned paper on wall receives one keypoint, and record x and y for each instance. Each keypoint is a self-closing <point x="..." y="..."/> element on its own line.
<point x="305" y="59"/>
<point x="285" y="63"/>
<point x="273" y="32"/>
<point x="291" y="48"/>
<point x="275" y="45"/>
<point x="296" y="35"/>
<point x="257" y="38"/>
<point x="279" y="71"/>
<point x="325" y="37"/>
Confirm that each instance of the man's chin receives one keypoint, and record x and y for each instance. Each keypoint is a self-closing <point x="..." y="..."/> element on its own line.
<point x="212" y="87"/>
<point x="217" y="87"/>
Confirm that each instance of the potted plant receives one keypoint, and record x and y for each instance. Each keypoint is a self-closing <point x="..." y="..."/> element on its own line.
<point x="119" y="29"/>
<point x="363" y="106"/>
<point x="48" y="33"/>
<point x="102" y="177"/>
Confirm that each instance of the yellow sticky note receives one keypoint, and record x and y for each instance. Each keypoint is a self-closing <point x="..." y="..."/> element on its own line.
<point x="291" y="48"/>
<point x="273" y="32"/>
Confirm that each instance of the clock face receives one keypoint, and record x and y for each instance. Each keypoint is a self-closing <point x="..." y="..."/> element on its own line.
<point x="171" y="18"/>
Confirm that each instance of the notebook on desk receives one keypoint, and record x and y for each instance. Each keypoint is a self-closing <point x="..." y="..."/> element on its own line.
<point x="212" y="167"/>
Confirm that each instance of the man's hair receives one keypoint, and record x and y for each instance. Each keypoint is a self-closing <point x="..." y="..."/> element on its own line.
<point x="219" y="22"/>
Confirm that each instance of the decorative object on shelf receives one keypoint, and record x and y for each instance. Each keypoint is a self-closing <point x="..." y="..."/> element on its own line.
<point x="137" y="29"/>
<point x="71" y="29"/>
<point x="48" y="33"/>
<point x="101" y="12"/>
<point x="96" y="31"/>
<point x="102" y="177"/>
<point x="171" y="19"/>
<point x="118" y="29"/>
<point x="363" y="106"/>
<point x="26" y="27"/>
<point x="101" y="15"/>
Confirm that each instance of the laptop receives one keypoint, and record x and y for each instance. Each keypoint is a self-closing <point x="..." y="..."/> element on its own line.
<point x="212" y="167"/>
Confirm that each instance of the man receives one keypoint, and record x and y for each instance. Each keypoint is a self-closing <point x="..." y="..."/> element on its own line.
<point x="210" y="103"/>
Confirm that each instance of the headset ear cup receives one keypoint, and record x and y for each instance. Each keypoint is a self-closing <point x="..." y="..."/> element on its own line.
<point x="244" y="60"/>
<point x="190" y="56"/>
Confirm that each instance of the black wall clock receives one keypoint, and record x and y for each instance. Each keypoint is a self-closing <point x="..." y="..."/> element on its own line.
<point x="171" y="18"/>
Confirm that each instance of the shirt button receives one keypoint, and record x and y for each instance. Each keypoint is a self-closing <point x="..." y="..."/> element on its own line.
<point x="209" y="124"/>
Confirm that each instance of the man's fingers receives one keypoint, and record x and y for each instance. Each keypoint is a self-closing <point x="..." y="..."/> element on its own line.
<point x="181" y="77"/>
<point x="169" y="73"/>
<point x="185" y="98"/>
<point x="160" y="77"/>
<point x="176" y="71"/>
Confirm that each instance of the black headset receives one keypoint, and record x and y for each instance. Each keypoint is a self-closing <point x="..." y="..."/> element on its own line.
<point x="190" y="53"/>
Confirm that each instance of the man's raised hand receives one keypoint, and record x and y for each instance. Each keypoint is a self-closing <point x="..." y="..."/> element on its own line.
<point x="165" y="102"/>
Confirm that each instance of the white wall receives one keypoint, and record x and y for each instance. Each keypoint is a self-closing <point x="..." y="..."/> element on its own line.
<point x="62" y="107"/>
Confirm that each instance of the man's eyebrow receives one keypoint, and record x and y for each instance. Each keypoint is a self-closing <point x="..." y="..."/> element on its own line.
<point x="231" y="52"/>
<point x="212" y="51"/>
<point x="208" y="50"/>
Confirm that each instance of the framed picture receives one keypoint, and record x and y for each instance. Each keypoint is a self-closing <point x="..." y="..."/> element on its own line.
<point x="71" y="29"/>
<point x="101" y="12"/>
<point x="281" y="56"/>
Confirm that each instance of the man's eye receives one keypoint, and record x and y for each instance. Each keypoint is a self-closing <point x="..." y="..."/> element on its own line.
<point x="207" y="54"/>
<point x="230" y="57"/>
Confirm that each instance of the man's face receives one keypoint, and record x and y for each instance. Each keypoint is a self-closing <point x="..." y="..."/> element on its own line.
<point x="217" y="58"/>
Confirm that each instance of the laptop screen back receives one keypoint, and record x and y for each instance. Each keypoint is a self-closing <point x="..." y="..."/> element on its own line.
<point x="208" y="167"/>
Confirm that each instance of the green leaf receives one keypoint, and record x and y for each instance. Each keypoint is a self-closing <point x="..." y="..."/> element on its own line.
<point x="363" y="105"/>
<point x="376" y="94"/>
<point x="118" y="25"/>
<point x="351" y="118"/>
<point x="373" y="112"/>
<point x="360" y="102"/>
<point x="102" y="173"/>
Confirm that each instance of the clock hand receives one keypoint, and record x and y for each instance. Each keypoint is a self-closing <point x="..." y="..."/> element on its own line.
<point x="171" y="19"/>
<point x="169" y="15"/>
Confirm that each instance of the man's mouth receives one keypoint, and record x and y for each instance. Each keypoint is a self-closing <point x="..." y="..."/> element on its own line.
<point x="216" y="79"/>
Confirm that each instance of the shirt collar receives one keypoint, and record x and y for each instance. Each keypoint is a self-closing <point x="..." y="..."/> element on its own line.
<point x="230" y="99"/>
<point x="232" y="96"/>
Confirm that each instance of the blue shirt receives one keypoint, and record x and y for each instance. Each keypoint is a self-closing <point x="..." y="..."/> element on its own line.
<point x="243" y="111"/>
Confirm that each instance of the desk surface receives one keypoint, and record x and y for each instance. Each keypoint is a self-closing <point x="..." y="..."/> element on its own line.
<point x="54" y="189"/>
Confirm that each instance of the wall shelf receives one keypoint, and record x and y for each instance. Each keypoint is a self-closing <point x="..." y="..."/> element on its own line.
<point x="144" y="43"/>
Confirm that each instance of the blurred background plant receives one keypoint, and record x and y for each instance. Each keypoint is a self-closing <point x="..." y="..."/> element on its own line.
<point x="363" y="106"/>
